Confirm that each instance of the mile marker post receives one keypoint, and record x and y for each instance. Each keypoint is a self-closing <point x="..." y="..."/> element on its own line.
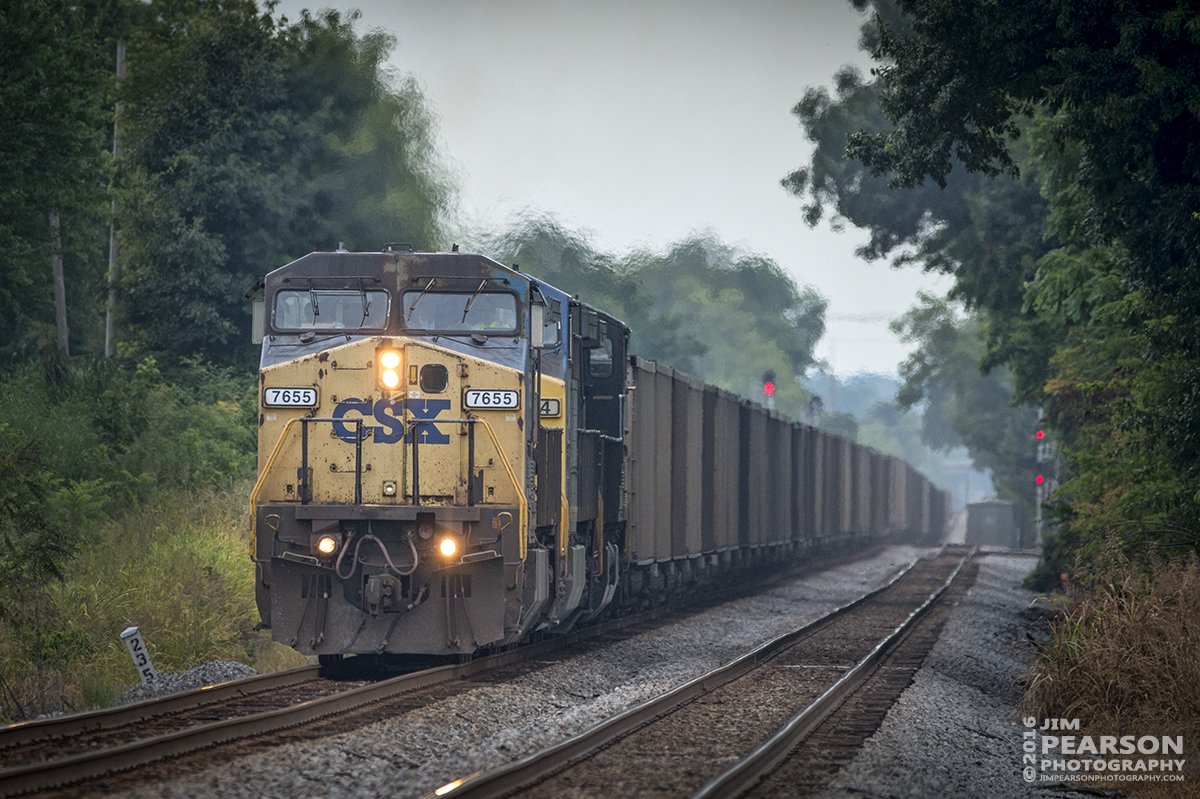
<point x="141" y="658"/>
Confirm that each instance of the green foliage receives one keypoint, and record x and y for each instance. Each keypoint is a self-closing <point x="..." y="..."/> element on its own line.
<point x="177" y="568"/>
<point x="707" y="309"/>
<point x="250" y="142"/>
<point x="1071" y="234"/>
<point x="37" y="539"/>
<point x="94" y="460"/>
<point x="107" y="429"/>
<point x="34" y="544"/>
<point x="1120" y="143"/>
<point x="749" y="316"/>
<point x="1120" y="82"/>
<point x="841" y="423"/>
<point x="52" y="159"/>
<point x="963" y="406"/>
<point x="540" y="245"/>
<point x="988" y="234"/>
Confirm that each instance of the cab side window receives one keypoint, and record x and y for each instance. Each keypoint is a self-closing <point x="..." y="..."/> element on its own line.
<point x="600" y="359"/>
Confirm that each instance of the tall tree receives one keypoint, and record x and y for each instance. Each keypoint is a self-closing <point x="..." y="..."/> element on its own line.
<point x="1118" y="80"/>
<point x="719" y="314"/>
<point x="987" y="234"/>
<point x="250" y="142"/>
<point x="52" y="81"/>
<point x="963" y="406"/>
<point x="1079" y="124"/>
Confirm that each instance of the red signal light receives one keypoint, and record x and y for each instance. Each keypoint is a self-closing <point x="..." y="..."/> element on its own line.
<point x="1040" y="480"/>
<point x="1039" y="434"/>
<point x="768" y="380"/>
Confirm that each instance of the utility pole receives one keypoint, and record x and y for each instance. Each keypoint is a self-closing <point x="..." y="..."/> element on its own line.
<point x="114" y="266"/>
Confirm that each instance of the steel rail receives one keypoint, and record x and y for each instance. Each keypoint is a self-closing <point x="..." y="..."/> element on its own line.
<point x="498" y="782"/>
<point x="88" y="765"/>
<point x="110" y="718"/>
<point x="746" y="773"/>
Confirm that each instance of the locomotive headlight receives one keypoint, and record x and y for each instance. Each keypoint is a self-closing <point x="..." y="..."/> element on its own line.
<point x="327" y="544"/>
<point x="389" y="368"/>
<point x="448" y="547"/>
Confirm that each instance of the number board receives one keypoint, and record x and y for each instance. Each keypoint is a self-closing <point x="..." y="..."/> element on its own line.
<point x="290" y="397"/>
<point x="551" y="406"/>
<point x="491" y="399"/>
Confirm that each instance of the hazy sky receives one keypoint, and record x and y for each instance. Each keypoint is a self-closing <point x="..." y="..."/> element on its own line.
<point x="644" y="120"/>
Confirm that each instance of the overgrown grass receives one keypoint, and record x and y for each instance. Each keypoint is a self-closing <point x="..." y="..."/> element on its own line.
<point x="178" y="567"/>
<point x="121" y="503"/>
<point x="1125" y="658"/>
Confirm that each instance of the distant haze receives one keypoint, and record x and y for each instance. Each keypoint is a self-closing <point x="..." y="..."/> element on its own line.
<point x="644" y="120"/>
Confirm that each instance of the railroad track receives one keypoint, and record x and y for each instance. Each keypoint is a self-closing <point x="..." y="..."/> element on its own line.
<point x="66" y="751"/>
<point x="725" y="732"/>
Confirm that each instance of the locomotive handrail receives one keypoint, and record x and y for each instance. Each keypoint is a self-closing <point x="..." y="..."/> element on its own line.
<point x="522" y="502"/>
<point x="262" y="475"/>
<point x="304" y="420"/>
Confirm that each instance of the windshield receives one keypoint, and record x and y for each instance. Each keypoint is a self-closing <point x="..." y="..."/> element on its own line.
<point x="323" y="309"/>
<point x="492" y="313"/>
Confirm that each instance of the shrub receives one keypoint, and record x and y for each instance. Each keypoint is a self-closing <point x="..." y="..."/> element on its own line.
<point x="1123" y="656"/>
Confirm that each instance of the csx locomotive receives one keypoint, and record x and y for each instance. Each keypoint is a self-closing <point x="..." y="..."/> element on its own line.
<point x="454" y="455"/>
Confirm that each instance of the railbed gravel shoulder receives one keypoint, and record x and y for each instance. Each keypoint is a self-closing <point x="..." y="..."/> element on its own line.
<point x="211" y="673"/>
<point x="955" y="731"/>
<point x="414" y="754"/>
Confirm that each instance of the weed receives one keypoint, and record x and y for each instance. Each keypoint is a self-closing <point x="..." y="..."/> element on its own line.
<point x="1123" y="656"/>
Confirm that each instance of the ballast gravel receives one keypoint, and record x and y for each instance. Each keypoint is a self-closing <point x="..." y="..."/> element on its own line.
<point x="955" y="732"/>
<point x="212" y="673"/>
<point x="971" y="689"/>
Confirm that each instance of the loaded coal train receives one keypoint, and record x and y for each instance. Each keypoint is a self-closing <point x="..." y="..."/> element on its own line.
<point x="455" y="456"/>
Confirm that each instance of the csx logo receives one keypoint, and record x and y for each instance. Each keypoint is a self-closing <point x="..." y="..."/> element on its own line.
<point x="389" y="413"/>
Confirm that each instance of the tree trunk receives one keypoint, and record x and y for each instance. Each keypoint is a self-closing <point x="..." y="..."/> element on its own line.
<point x="114" y="266"/>
<point x="60" y="290"/>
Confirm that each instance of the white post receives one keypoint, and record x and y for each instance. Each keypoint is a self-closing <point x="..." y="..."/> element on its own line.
<point x="141" y="658"/>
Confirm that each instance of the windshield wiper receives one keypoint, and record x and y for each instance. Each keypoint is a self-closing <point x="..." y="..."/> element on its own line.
<point x="428" y="286"/>
<point x="312" y="295"/>
<point x="365" y="303"/>
<point x="474" y="297"/>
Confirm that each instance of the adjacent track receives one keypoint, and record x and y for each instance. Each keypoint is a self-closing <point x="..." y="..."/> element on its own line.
<point x="695" y="738"/>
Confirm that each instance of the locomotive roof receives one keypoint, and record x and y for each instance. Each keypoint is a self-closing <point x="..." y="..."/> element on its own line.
<point x="379" y="265"/>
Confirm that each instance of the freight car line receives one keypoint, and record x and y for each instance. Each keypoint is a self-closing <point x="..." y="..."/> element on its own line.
<point x="672" y="744"/>
<point x="53" y="752"/>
